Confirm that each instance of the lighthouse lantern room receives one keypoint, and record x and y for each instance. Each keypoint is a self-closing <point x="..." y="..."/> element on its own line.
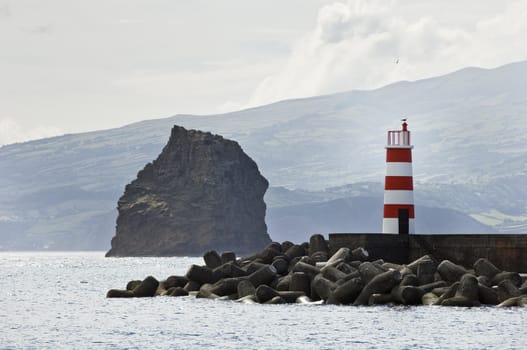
<point x="398" y="186"/>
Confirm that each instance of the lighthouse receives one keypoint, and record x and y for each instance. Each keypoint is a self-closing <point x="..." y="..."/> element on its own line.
<point x="398" y="186"/>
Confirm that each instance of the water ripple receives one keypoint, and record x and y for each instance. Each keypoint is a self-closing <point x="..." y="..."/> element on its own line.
<point x="57" y="301"/>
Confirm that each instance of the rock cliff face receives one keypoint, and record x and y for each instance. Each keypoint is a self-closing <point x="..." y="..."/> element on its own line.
<point x="202" y="192"/>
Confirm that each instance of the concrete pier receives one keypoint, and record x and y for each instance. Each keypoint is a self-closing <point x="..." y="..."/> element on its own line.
<point x="507" y="251"/>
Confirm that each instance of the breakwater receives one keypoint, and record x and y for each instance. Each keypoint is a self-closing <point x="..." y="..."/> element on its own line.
<point x="314" y="272"/>
<point x="509" y="251"/>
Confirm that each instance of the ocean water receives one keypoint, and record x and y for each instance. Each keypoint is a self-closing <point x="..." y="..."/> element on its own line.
<point x="57" y="301"/>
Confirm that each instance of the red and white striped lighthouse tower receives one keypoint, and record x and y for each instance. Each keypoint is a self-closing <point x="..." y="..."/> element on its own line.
<point x="398" y="187"/>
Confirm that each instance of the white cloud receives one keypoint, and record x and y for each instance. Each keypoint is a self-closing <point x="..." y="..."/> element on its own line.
<point x="103" y="64"/>
<point x="357" y="44"/>
<point x="9" y="218"/>
<point x="229" y="106"/>
<point x="89" y="65"/>
<point x="5" y="10"/>
<point x="11" y="132"/>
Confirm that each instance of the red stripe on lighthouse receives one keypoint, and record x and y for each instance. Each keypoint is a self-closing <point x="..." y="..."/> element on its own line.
<point x="403" y="155"/>
<point x="392" y="210"/>
<point x="399" y="183"/>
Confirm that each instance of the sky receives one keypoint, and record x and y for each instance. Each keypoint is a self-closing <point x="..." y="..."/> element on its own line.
<point x="72" y="66"/>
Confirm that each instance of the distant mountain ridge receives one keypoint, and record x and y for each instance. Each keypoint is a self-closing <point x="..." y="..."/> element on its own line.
<point x="468" y="128"/>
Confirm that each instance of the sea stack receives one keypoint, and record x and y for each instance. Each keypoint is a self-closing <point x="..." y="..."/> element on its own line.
<point x="201" y="193"/>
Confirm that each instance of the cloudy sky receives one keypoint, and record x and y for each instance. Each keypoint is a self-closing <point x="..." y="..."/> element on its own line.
<point x="69" y="66"/>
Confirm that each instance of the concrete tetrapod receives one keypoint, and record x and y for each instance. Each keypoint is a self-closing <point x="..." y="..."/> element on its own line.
<point x="429" y="299"/>
<point x="253" y="266"/>
<point x="514" y="277"/>
<point x="359" y="254"/>
<point x="249" y="299"/>
<point x="487" y="295"/>
<point x="176" y="292"/>
<point x="283" y="283"/>
<point x="450" y="272"/>
<point x="276" y="300"/>
<point x="212" y="259"/>
<point x="515" y="301"/>
<point x="332" y="273"/>
<point x="264" y="275"/>
<point x="227" y="286"/>
<point x="290" y="296"/>
<point x="451" y="292"/>
<point x="484" y="280"/>
<point x="345" y="267"/>
<point x="176" y="281"/>
<point x="281" y="265"/>
<point x="439" y="291"/>
<point x="310" y="270"/>
<point x="346" y="293"/>
<point x="431" y="286"/>
<point x="322" y="286"/>
<point x="294" y="251"/>
<point x="300" y="282"/>
<point x="343" y="254"/>
<point x="192" y="286"/>
<point x="317" y="243"/>
<point x="119" y="293"/>
<point x="407" y="295"/>
<point x="147" y="288"/>
<point x="381" y="283"/>
<point x="265" y="293"/>
<point x="380" y="299"/>
<point x="272" y="276"/>
<point x="483" y="267"/>
<point x="286" y="245"/>
<point x="523" y="287"/>
<point x="268" y="254"/>
<point x="227" y="257"/>
<point x="132" y="284"/>
<point x="307" y="260"/>
<point x="200" y="274"/>
<point x="245" y="288"/>
<point x="205" y="291"/>
<point x="467" y="294"/>
<point x="414" y="264"/>
<point x="425" y="272"/>
<point x="369" y="270"/>
<point x="506" y="290"/>
<point x="229" y="269"/>
<point x="409" y="280"/>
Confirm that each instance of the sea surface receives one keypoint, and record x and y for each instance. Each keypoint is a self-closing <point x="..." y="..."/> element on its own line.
<point x="56" y="300"/>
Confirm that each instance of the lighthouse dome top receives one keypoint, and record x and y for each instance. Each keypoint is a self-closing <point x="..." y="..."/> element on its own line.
<point x="399" y="138"/>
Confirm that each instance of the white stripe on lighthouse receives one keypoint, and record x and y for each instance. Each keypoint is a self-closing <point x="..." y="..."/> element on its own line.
<point x="392" y="226"/>
<point x="398" y="197"/>
<point x="398" y="169"/>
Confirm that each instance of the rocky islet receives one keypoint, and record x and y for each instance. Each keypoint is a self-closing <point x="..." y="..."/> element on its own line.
<point x="202" y="192"/>
<point x="307" y="273"/>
